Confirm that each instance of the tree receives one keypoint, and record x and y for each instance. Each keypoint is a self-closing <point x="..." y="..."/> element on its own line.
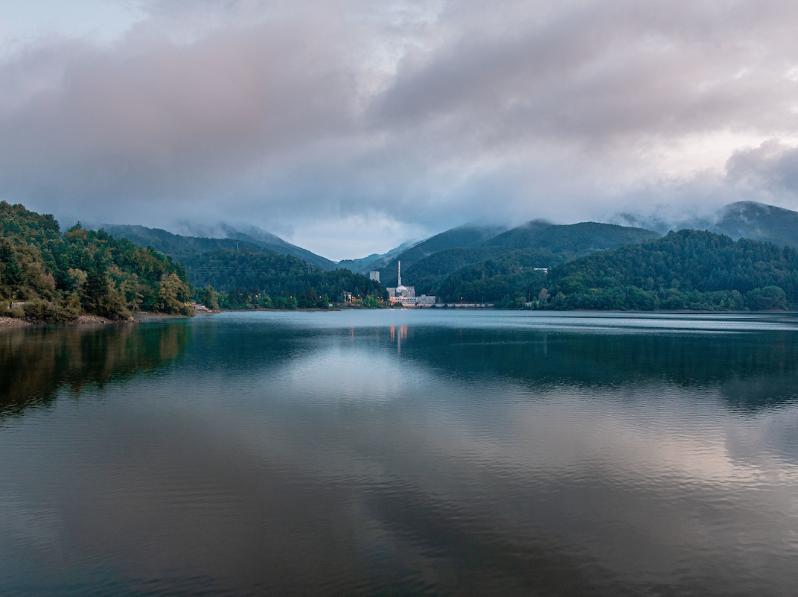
<point x="173" y="295"/>
<point x="767" y="298"/>
<point x="208" y="297"/>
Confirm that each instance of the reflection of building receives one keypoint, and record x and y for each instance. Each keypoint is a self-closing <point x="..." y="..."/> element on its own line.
<point x="375" y="275"/>
<point x="406" y="295"/>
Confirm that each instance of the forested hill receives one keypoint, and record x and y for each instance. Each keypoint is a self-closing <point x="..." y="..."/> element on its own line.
<point x="570" y="239"/>
<point x="49" y="276"/>
<point x="683" y="270"/>
<point x="375" y="261"/>
<point x="503" y="266"/>
<point x="181" y="247"/>
<point x="246" y="279"/>
<point x="433" y="265"/>
<point x="758" y="221"/>
<point x="234" y="273"/>
<point x="178" y="247"/>
<point x="743" y="219"/>
<point x="274" y="243"/>
<point x="462" y="237"/>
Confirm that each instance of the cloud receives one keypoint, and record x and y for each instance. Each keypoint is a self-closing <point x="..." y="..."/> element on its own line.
<point x="409" y="115"/>
<point x="770" y="168"/>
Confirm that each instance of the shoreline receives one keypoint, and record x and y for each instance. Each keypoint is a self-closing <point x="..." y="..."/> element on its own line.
<point x="13" y="323"/>
<point x="89" y="320"/>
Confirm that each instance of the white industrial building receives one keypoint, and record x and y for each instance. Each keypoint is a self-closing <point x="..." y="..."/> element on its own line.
<point x="406" y="295"/>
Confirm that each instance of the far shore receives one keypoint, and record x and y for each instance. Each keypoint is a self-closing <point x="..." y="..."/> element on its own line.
<point x="87" y="320"/>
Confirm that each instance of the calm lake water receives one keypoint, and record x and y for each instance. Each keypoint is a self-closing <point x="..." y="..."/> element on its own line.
<point x="402" y="452"/>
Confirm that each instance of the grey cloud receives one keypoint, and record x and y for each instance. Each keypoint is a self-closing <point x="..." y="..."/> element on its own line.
<point x="594" y="71"/>
<point x="157" y="114"/>
<point x="421" y="113"/>
<point x="771" y="167"/>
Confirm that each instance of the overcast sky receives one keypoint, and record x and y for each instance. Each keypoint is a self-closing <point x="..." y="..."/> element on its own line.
<point x="349" y="126"/>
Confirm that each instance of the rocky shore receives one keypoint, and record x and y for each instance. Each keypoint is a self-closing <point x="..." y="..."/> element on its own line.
<point x="13" y="322"/>
<point x="89" y="320"/>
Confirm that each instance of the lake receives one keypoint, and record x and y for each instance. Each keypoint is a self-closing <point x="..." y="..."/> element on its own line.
<point x="402" y="452"/>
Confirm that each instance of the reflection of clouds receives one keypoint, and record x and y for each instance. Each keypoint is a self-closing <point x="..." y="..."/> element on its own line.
<point x="344" y="468"/>
<point x="771" y="436"/>
<point x="357" y="321"/>
<point x="657" y="460"/>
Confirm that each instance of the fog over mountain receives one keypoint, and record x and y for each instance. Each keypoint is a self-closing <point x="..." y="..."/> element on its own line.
<point x="348" y="127"/>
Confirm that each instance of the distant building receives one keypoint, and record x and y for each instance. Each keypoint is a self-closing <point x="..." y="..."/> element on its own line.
<point x="374" y="275"/>
<point x="406" y="295"/>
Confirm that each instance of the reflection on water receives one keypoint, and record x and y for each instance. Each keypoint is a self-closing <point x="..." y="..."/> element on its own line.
<point x="395" y="452"/>
<point x="751" y="370"/>
<point x="36" y="363"/>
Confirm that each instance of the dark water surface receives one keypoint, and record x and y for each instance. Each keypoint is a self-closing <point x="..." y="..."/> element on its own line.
<point x="402" y="452"/>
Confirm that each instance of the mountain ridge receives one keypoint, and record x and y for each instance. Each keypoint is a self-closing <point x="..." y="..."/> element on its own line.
<point x="170" y="242"/>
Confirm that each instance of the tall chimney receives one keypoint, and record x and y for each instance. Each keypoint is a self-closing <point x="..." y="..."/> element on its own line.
<point x="398" y="274"/>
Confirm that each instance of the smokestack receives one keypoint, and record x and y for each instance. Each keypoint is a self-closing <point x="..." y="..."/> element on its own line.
<point x="398" y="274"/>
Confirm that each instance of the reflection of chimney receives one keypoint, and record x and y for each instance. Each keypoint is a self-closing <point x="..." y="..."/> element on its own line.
<point x="398" y="273"/>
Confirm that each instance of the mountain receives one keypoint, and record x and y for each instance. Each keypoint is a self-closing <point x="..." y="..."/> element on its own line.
<point x="263" y="278"/>
<point x="176" y="246"/>
<point x="572" y="239"/>
<point x="507" y="279"/>
<point x="758" y="221"/>
<point x="743" y="219"/>
<point x="684" y="270"/>
<point x="375" y="261"/>
<point x="462" y="237"/>
<point x="246" y="272"/>
<point x="49" y="276"/>
<point x="276" y="244"/>
<point x="493" y="268"/>
<point x="181" y="247"/>
<point x="468" y="263"/>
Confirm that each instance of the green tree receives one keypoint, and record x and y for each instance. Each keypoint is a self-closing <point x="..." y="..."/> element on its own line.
<point x="173" y="295"/>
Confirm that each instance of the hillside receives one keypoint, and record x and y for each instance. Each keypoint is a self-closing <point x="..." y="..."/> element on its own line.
<point x="265" y="279"/>
<point x="743" y="219"/>
<point x="502" y="269"/>
<point x="244" y="274"/>
<point x="375" y="261"/>
<point x="176" y="246"/>
<point x="570" y="239"/>
<point x="182" y="247"/>
<point x="758" y="221"/>
<point x="684" y="270"/>
<point x="49" y="276"/>
<point x="267" y="240"/>
<point x="462" y="237"/>
<point x="509" y="279"/>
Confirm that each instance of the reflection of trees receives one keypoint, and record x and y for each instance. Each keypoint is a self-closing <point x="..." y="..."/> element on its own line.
<point x="751" y="370"/>
<point x="34" y="364"/>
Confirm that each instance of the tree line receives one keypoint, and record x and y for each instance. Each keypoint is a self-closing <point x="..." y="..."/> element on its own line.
<point x="246" y="279"/>
<point x="47" y="275"/>
<point x="689" y="269"/>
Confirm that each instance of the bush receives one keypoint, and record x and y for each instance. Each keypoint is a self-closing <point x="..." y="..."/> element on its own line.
<point x="6" y="310"/>
<point x="45" y="311"/>
<point x="769" y="297"/>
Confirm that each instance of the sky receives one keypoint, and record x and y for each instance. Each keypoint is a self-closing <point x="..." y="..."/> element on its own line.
<point x="350" y="126"/>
